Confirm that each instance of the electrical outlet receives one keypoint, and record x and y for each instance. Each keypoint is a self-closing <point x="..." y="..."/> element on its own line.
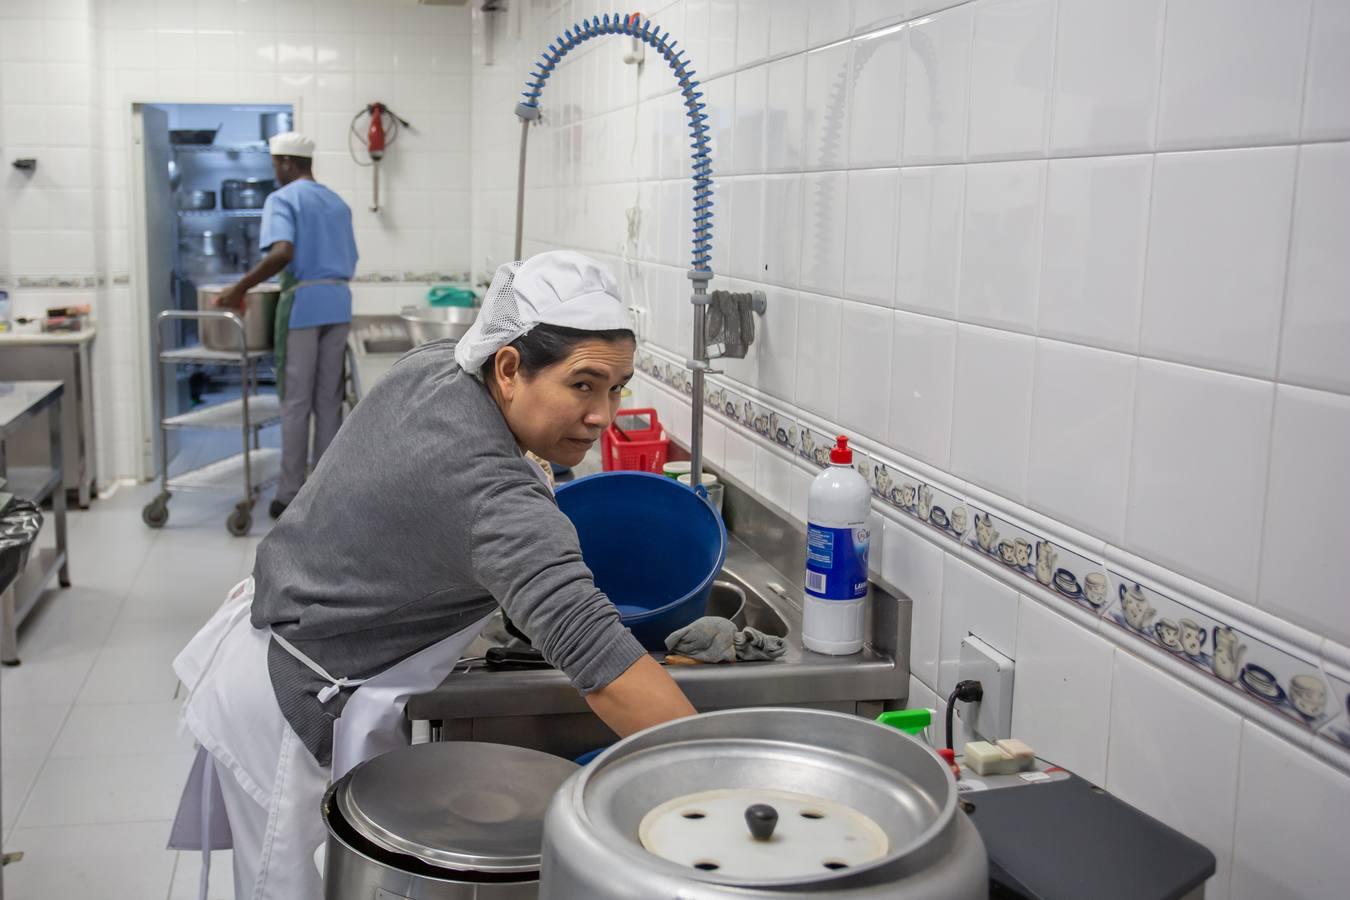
<point x="991" y="718"/>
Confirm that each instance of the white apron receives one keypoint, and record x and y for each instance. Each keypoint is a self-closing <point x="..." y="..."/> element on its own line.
<point x="224" y="668"/>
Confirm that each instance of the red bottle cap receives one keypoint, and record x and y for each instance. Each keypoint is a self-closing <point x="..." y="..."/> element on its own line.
<point x="840" y="453"/>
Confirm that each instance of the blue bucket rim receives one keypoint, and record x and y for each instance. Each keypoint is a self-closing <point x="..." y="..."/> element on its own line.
<point x="707" y="506"/>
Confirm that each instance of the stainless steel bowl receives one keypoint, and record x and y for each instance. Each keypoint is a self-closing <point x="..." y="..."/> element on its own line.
<point x="427" y="323"/>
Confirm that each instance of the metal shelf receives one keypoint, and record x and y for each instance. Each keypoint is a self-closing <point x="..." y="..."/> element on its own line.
<point x="263" y="410"/>
<point x="199" y="355"/>
<point x="227" y="213"/>
<point x="224" y="475"/>
<point x="35" y="483"/>
<point x="220" y="148"/>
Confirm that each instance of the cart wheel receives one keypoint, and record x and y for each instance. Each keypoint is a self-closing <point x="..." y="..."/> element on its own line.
<point x="240" y="522"/>
<point x="156" y="513"/>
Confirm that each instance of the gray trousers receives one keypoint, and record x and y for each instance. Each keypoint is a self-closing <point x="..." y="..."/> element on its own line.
<point x="314" y="361"/>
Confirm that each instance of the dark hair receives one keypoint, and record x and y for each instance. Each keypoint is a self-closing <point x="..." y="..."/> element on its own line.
<point x="545" y="345"/>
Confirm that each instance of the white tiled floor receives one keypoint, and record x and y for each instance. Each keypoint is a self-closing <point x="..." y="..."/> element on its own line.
<point x="93" y="757"/>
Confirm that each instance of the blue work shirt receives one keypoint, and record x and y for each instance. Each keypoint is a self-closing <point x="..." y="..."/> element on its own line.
<point x="319" y="225"/>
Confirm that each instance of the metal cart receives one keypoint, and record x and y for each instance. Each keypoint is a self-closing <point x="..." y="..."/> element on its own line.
<point x="249" y="414"/>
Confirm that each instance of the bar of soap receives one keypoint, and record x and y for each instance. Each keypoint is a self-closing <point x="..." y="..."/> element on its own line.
<point x="987" y="759"/>
<point x="1018" y="751"/>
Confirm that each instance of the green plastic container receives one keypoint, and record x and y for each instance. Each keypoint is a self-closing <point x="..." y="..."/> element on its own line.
<point x="449" y="295"/>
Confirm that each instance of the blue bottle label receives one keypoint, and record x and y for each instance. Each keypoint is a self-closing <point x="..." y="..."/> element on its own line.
<point x="836" y="562"/>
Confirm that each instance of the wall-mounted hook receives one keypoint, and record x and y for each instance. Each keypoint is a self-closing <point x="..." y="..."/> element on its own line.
<point x="26" y="165"/>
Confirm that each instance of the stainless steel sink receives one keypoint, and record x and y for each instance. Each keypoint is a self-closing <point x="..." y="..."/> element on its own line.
<point x="733" y="598"/>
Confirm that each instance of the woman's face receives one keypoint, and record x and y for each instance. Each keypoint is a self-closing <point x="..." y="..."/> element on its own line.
<point x="559" y="412"/>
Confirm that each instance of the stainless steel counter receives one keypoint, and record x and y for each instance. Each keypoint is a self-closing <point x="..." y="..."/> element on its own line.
<point x="541" y="710"/>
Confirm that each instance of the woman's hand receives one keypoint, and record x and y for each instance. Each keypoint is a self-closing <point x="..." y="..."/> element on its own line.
<point x="640" y="698"/>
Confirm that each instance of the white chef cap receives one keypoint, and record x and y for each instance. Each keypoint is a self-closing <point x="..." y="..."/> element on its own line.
<point x="555" y="288"/>
<point x="291" y="143"/>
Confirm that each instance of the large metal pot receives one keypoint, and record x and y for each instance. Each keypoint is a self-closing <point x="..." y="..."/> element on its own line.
<point x="259" y="315"/>
<point x="851" y="809"/>
<point x="273" y="123"/>
<point x="430" y="323"/>
<point x="205" y="254"/>
<point x="245" y="193"/>
<point x="197" y="200"/>
<point x="445" y="821"/>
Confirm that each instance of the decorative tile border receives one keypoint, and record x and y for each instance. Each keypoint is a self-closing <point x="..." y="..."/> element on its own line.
<point x="1038" y="559"/>
<point x="1282" y="681"/>
<point x="1254" y="669"/>
<point x="59" y="282"/>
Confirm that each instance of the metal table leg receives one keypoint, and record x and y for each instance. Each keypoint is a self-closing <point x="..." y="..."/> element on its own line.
<point x="59" y="495"/>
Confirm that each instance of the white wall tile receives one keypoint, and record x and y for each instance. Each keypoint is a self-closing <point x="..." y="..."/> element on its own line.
<point x="1062" y="690"/>
<point x="1198" y="473"/>
<point x="827" y="21"/>
<point x="740" y="457"/>
<point x="782" y="227"/>
<point x="1218" y="239"/>
<point x="1092" y="262"/>
<point x="923" y="372"/>
<point x="928" y="251"/>
<point x="721" y="36"/>
<point x="869" y="242"/>
<point x="915" y="566"/>
<point x="992" y="415"/>
<point x="783" y="125"/>
<point x="876" y="104"/>
<point x="801" y="486"/>
<point x="865" y="369"/>
<point x="823" y="224"/>
<point x="1326" y="108"/>
<point x="787" y="26"/>
<point x="747" y="231"/>
<point x="1081" y="417"/>
<point x="1316" y="331"/>
<point x="752" y="31"/>
<point x="773" y="476"/>
<point x="1281" y="783"/>
<point x="825" y="110"/>
<point x="973" y="603"/>
<point x="1304" y="569"/>
<point x="1010" y="77"/>
<point x="1211" y="47"/>
<point x="1001" y="244"/>
<point x="818" y="354"/>
<point x="1107" y="59"/>
<point x="937" y="86"/>
<point x="1195" y="792"/>
<point x="752" y="99"/>
<point x="869" y="15"/>
<point x="775" y="347"/>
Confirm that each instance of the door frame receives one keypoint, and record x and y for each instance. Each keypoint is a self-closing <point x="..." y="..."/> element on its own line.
<point x="142" y="350"/>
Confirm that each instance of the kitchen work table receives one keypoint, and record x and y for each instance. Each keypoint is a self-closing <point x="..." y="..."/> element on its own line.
<point x="20" y="403"/>
<point x="66" y="356"/>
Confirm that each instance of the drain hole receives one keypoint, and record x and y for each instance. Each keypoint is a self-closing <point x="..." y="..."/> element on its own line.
<point x="835" y="865"/>
<point x="812" y="814"/>
<point x="693" y="814"/>
<point x="707" y="866"/>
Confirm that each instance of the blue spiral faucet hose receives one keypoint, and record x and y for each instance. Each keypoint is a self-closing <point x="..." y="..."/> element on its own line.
<point x="635" y="26"/>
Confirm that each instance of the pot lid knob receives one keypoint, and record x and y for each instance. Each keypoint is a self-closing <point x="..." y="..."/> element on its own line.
<point x="762" y="819"/>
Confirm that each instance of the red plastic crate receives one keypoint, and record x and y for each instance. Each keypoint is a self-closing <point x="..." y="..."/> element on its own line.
<point x="646" y="448"/>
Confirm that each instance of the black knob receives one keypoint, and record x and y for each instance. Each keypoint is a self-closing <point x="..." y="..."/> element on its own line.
<point x="762" y="819"/>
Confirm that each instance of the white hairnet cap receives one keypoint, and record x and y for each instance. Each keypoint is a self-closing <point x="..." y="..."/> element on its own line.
<point x="560" y="287"/>
<point x="290" y="143"/>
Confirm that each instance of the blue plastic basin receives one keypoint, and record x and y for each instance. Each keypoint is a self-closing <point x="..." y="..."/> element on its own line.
<point x="653" y="545"/>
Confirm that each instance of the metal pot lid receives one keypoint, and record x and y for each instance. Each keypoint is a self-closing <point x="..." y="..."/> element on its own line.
<point x="860" y="775"/>
<point x="762" y="833"/>
<point x="469" y="806"/>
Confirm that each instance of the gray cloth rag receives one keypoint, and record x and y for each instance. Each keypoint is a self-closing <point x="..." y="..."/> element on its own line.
<point x="730" y="328"/>
<point x="715" y="640"/>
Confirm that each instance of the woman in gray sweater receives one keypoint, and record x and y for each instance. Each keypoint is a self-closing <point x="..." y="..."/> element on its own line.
<point x="421" y="519"/>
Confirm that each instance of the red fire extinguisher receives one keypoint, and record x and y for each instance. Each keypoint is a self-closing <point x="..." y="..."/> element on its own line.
<point x="378" y="139"/>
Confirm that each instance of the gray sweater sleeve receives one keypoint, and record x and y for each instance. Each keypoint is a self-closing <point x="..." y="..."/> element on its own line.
<point x="525" y="552"/>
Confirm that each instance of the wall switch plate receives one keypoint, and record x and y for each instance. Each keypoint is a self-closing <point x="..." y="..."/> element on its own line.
<point x="991" y="718"/>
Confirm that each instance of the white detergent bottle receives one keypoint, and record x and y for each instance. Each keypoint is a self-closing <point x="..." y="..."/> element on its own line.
<point x="836" y="556"/>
